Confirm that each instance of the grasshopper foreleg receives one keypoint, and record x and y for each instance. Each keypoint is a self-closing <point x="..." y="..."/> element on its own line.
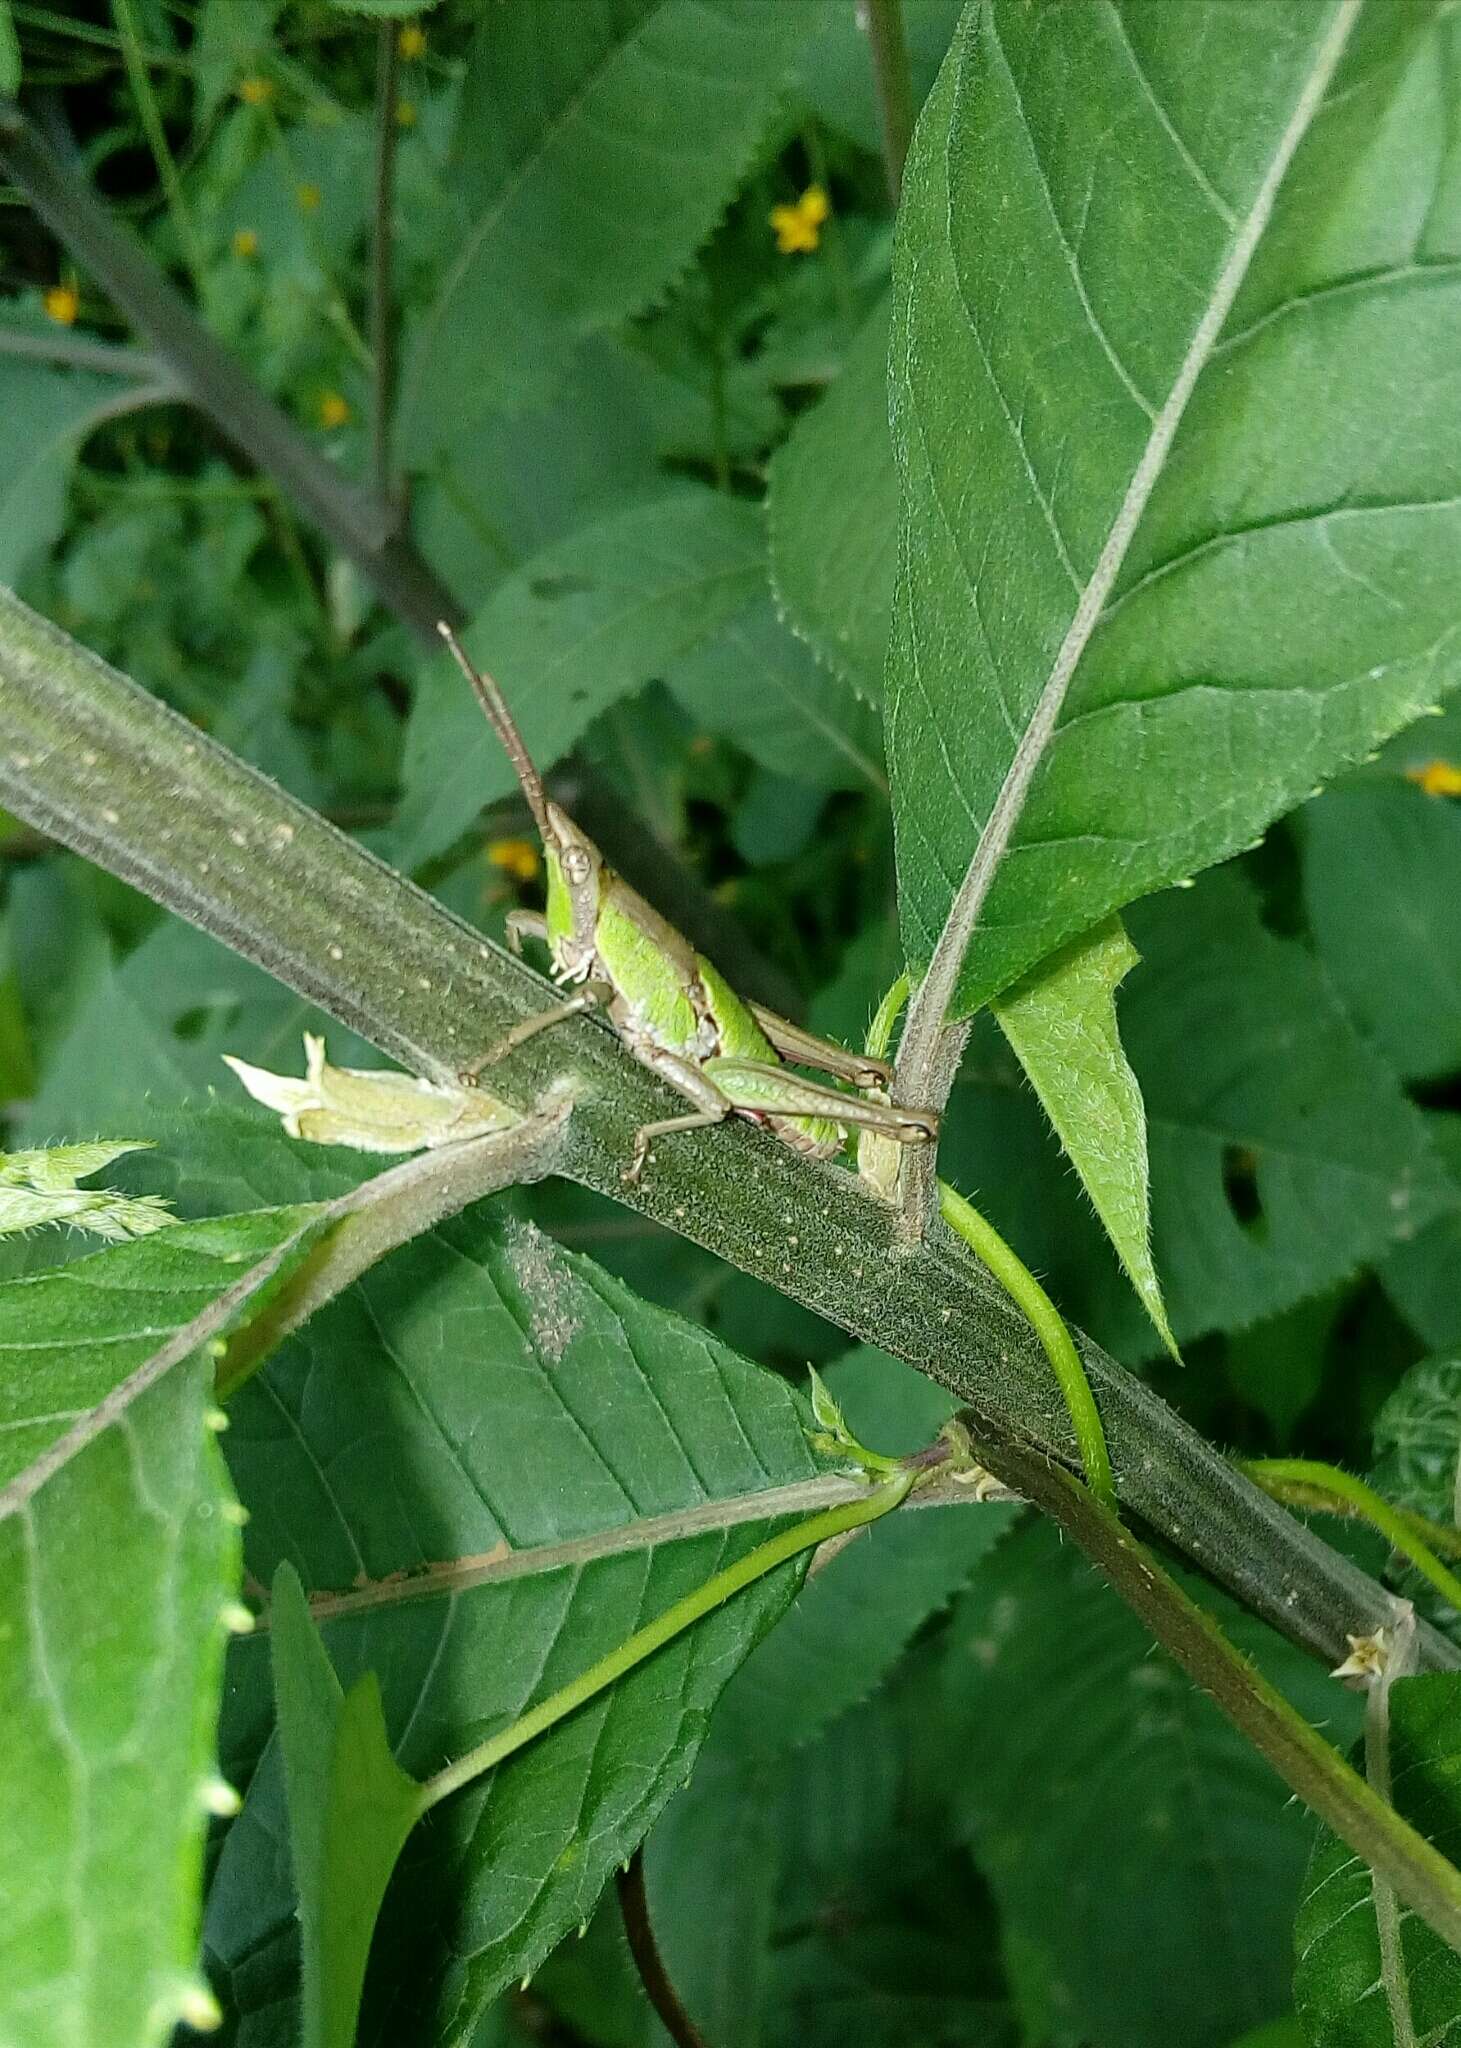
<point x="588" y="998"/>
<point x="525" y="924"/>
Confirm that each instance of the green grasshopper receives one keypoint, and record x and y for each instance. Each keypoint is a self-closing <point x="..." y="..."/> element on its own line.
<point x="669" y="1005"/>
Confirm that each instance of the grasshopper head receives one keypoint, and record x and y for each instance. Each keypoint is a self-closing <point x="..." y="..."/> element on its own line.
<point x="574" y="867"/>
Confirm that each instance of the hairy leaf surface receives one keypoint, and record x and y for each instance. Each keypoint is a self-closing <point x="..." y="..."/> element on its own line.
<point x="1061" y="1021"/>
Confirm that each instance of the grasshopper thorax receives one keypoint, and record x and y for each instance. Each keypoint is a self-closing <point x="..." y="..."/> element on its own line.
<point x="575" y="867"/>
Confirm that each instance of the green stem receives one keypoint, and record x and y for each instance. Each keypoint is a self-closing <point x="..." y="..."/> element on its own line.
<point x="893" y="86"/>
<point x="382" y="324"/>
<point x="151" y="119"/>
<point x="1049" y="1326"/>
<point x="1313" y="1484"/>
<point x="1423" y="1879"/>
<point x="719" y="1588"/>
<point x="1394" y="1974"/>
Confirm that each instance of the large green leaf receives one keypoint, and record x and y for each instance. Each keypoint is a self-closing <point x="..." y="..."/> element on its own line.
<point x="1338" y="1983"/>
<point x="833" y="508"/>
<point x="483" y="1389"/>
<point x="598" y="143"/>
<point x="1061" y="1021"/>
<point x="1080" y="1762"/>
<point x="1382" y="878"/>
<point x="115" y="1574"/>
<point x="1175" y="307"/>
<point x="1266" y="1111"/>
<point x="587" y="620"/>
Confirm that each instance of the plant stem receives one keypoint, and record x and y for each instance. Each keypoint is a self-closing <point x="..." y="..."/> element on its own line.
<point x="1316" y="1484"/>
<point x="1393" y="1973"/>
<point x="152" y="128"/>
<point x="382" y="307"/>
<point x="684" y="1613"/>
<point x="74" y="353"/>
<point x="217" y="382"/>
<point x="1421" y="1876"/>
<point x="888" y="47"/>
<point x="639" y="1932"/>
<point x="90" y="758"/>
<point x="1049" y="1326"/>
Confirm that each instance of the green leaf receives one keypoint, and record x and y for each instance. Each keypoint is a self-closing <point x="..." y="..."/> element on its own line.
<point x="857" y="1614"/>
<point x="40" y="1187"/>
<point x="351" y="1808"/>
<point x="1382" y="877"/>
<point x="1418" y="1440"/>
<point x="1156" y="570"/>
<point x="44" y="416"/>
<point x="9" y="52"/>
<point x="833" y="509"/>
<point x="386" y="10"/>
<point x="69" y="1337"/>
<point x="115" y="1573"/>
<point x="1096" y="1760"/>
<point x="1061" y="1021"/>
<point x="512" y="1396"/>
<point x="1264" y="1110"/>
<point x="1337" y="1981"/>
<point x="587" y="621"/>
<point x="758" y="684"/>
<point x="598" y="146"/>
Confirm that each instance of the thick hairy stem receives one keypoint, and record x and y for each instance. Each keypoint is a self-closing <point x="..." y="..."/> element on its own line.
<point x="88" y="757"/>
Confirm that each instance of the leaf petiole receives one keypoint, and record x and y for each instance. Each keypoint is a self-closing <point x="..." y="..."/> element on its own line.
<point x="720" y="1587"/>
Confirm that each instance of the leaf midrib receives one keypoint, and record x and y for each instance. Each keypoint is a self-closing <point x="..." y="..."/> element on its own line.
<point x="936" y="992"/>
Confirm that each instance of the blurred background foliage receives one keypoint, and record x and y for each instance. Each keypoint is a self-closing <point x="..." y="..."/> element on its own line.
<point x="617" y="383"/>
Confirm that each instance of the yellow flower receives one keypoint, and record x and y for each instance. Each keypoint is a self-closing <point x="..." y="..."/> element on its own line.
<point x="516" y="857"/>
<point x="62" y="303"/>
<point x="411" y="42"/>
<point x="405" y="113"/>
<point x="799" y="226"/>
<point x="334" y="410"/>
<point x="308" y="198"/>
<point x="1437" y="778"/>
<point x="255" y="91"/>
<point x="245" y="242"/>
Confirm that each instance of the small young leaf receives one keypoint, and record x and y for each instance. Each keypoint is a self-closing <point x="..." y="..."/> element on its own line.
<point x="1418" y="1440"/>
<point x="1061" y="1021"/>
<point x="1338" y="1980"/>
<point x="39" y="1188"/>
<point x="351" y="1807"/>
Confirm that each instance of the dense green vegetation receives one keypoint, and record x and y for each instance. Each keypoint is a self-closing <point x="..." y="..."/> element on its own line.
<point x="1030" y="567"/>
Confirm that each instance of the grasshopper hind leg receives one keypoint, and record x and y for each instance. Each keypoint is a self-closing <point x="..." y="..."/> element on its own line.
<point x="712" y="1105"/>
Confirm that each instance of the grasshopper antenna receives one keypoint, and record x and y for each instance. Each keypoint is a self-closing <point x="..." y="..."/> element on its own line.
<point x="494" y="704"/>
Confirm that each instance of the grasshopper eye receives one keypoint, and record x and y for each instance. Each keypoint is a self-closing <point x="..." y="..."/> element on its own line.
<point x="576" y="864"/>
